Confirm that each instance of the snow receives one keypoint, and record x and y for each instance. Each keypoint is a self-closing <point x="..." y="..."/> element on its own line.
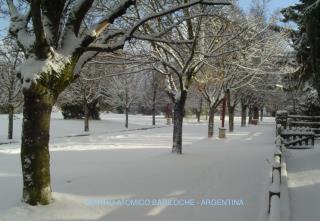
<point x="17" y="25"/>
<point x="281" y="112"/>
<point x="304" y="183"/>
<point x="82" y="60"/>
<point x="284" y="200"/>
<point x="274" y="211"/>
<point x="138" y="164"/>
<point x="70" y="42"/>
<point x="32" y="68"/>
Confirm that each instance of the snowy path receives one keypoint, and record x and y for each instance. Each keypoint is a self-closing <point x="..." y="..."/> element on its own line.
<point x="304" y="183"/>
<point x="140" y="166"/>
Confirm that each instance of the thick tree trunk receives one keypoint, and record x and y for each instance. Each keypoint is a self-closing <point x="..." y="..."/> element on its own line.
<point x="211" y="122"/>
<point x="10" y="123"/>
<point x="86" y="117"/>
<point x="178" y="124"/>
<point x="243" y="115"/>
<point x="127" y="117"/>
<point x="35" y="158"/>
<point x="231" y="118"/>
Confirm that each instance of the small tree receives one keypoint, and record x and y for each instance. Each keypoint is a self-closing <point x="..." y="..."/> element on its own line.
<point x="154" y="96"/>
<point x="83" y="96"/>
<point x="124" y="91"/>
<point x="10" y="87"/>
<point x="210" y="86"/>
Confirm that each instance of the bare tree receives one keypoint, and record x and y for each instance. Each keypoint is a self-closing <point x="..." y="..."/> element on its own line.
<point x="10" y="87"/>
<point x="154" y="96"/>
<point x="84" y="93"/>
<point x="184" y="52"/>
<point x="210" y="84"/>
<point x="124" y="91"/>
<point x="195" y="102"/>
<point x="57" y="42"/>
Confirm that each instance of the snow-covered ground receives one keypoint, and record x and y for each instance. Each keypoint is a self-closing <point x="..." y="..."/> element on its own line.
<point x="304" y="183"/>
<point x="113" y="163"/>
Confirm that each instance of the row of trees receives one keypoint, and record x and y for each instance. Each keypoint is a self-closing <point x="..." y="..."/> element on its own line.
<point x="192" y="45"/>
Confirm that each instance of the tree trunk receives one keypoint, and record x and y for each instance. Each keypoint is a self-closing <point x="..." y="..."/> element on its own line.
<point x="178" y="124"/>
<point x="223" y="112"/>
<point x="243" y="115"/>
<point x="250" y="115"/>
<point x="256" y="113"/>
<point x="211" y="122"/>
<point x="10" y="123"/>
<point x="231" y="118"/>
<point x="35" y="157"/>
<point x="86" y="117"/>
<point x="207" y="110"/>
<point x="261" y="114"/>
<point x="198" y="114"/>
<point x="154" y="117"/>
<point x="199" y="110"/>
<point x="127" y="117"/>
<point x="154" y="108"/>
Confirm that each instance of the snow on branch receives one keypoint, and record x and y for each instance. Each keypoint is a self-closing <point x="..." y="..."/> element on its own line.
<point x="312" y="7"/>
<point x="171" y="10"/>
<point x="18" y="27"/>
<point x="94" y="34"/>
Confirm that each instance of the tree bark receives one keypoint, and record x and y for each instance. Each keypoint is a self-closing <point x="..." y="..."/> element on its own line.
<point x="261" y="114"/>
<point x="86" y="117"/>
<point x="211" y="122"/>
<point x="35" y="157"/>
<point x="231" y="118"/>
<point x="250" y="115"/>
<point x="199" y="110"/>
<point x="198" y="116"/>
<point x="154" y="107"/>
<point x="243" y="115"/>
<point x="256" y="113"/>
<point x="127" y="117"/>
<point x="178" y="124"/>
<point x="10" y="122"/>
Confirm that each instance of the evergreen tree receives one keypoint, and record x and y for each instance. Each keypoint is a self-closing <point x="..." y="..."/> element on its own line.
<point x="306" y="39"/>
